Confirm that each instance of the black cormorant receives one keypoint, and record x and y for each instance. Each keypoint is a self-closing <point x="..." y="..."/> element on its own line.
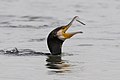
<point x="58" y="36"/>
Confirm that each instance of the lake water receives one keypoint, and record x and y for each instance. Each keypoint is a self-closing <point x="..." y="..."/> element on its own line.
<point x="93" y="55"/>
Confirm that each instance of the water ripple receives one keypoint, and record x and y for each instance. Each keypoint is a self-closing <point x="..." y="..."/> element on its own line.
<point x="14" y="21"/>
<point x="36" y="40"/>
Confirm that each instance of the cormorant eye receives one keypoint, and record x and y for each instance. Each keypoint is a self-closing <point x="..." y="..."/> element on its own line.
<point x="63" y="28"/>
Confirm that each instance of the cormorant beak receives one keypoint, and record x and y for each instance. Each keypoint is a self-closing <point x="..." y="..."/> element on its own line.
<point x="65" y="28"/>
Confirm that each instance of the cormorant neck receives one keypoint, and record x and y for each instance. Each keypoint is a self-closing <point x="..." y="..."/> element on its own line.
<point x="54" y="44"/>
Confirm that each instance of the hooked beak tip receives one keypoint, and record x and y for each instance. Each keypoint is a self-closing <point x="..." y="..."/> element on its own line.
<point x="80" y="32"/>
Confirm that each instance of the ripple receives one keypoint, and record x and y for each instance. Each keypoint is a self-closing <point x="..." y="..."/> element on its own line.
<point x="79" y="11"/>
<point x="24" y="26"/>
<point x="36" y="40"/>
<point x="13" y="21"/>
<point x="37" y="18"/>
<point x="6" y="22"/>
<point x="7" y="16"/>
<point x="112" y="45"/>
<point x="21" y="52"/>
<point x="67" y="54"/>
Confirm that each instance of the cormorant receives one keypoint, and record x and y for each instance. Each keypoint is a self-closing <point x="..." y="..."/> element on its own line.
<point x="54" y="40"/>
<point x="58" y="36"/>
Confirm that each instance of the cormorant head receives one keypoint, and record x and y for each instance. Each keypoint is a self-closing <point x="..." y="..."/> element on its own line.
<point x="59" y="35"/>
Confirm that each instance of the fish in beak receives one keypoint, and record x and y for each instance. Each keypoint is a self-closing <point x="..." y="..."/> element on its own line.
<point x="62" y="32"/>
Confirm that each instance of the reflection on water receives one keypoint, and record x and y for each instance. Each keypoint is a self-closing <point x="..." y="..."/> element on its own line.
<point x="56" y="64"/>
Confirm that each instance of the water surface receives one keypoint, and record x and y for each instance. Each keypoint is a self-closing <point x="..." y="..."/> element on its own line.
<point x="93" y="55"/>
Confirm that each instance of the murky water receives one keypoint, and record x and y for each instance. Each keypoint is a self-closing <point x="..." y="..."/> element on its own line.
<point x="93" y="55"/>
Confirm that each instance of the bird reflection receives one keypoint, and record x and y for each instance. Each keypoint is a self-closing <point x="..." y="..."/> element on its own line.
<point x="56" y="64"/>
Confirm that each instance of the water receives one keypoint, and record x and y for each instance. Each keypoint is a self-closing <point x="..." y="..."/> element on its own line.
<point x="93" y="55"/>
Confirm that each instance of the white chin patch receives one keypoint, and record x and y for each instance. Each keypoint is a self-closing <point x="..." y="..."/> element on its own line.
<point x="61" y="38"/>
<point x="60" y="35"/>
